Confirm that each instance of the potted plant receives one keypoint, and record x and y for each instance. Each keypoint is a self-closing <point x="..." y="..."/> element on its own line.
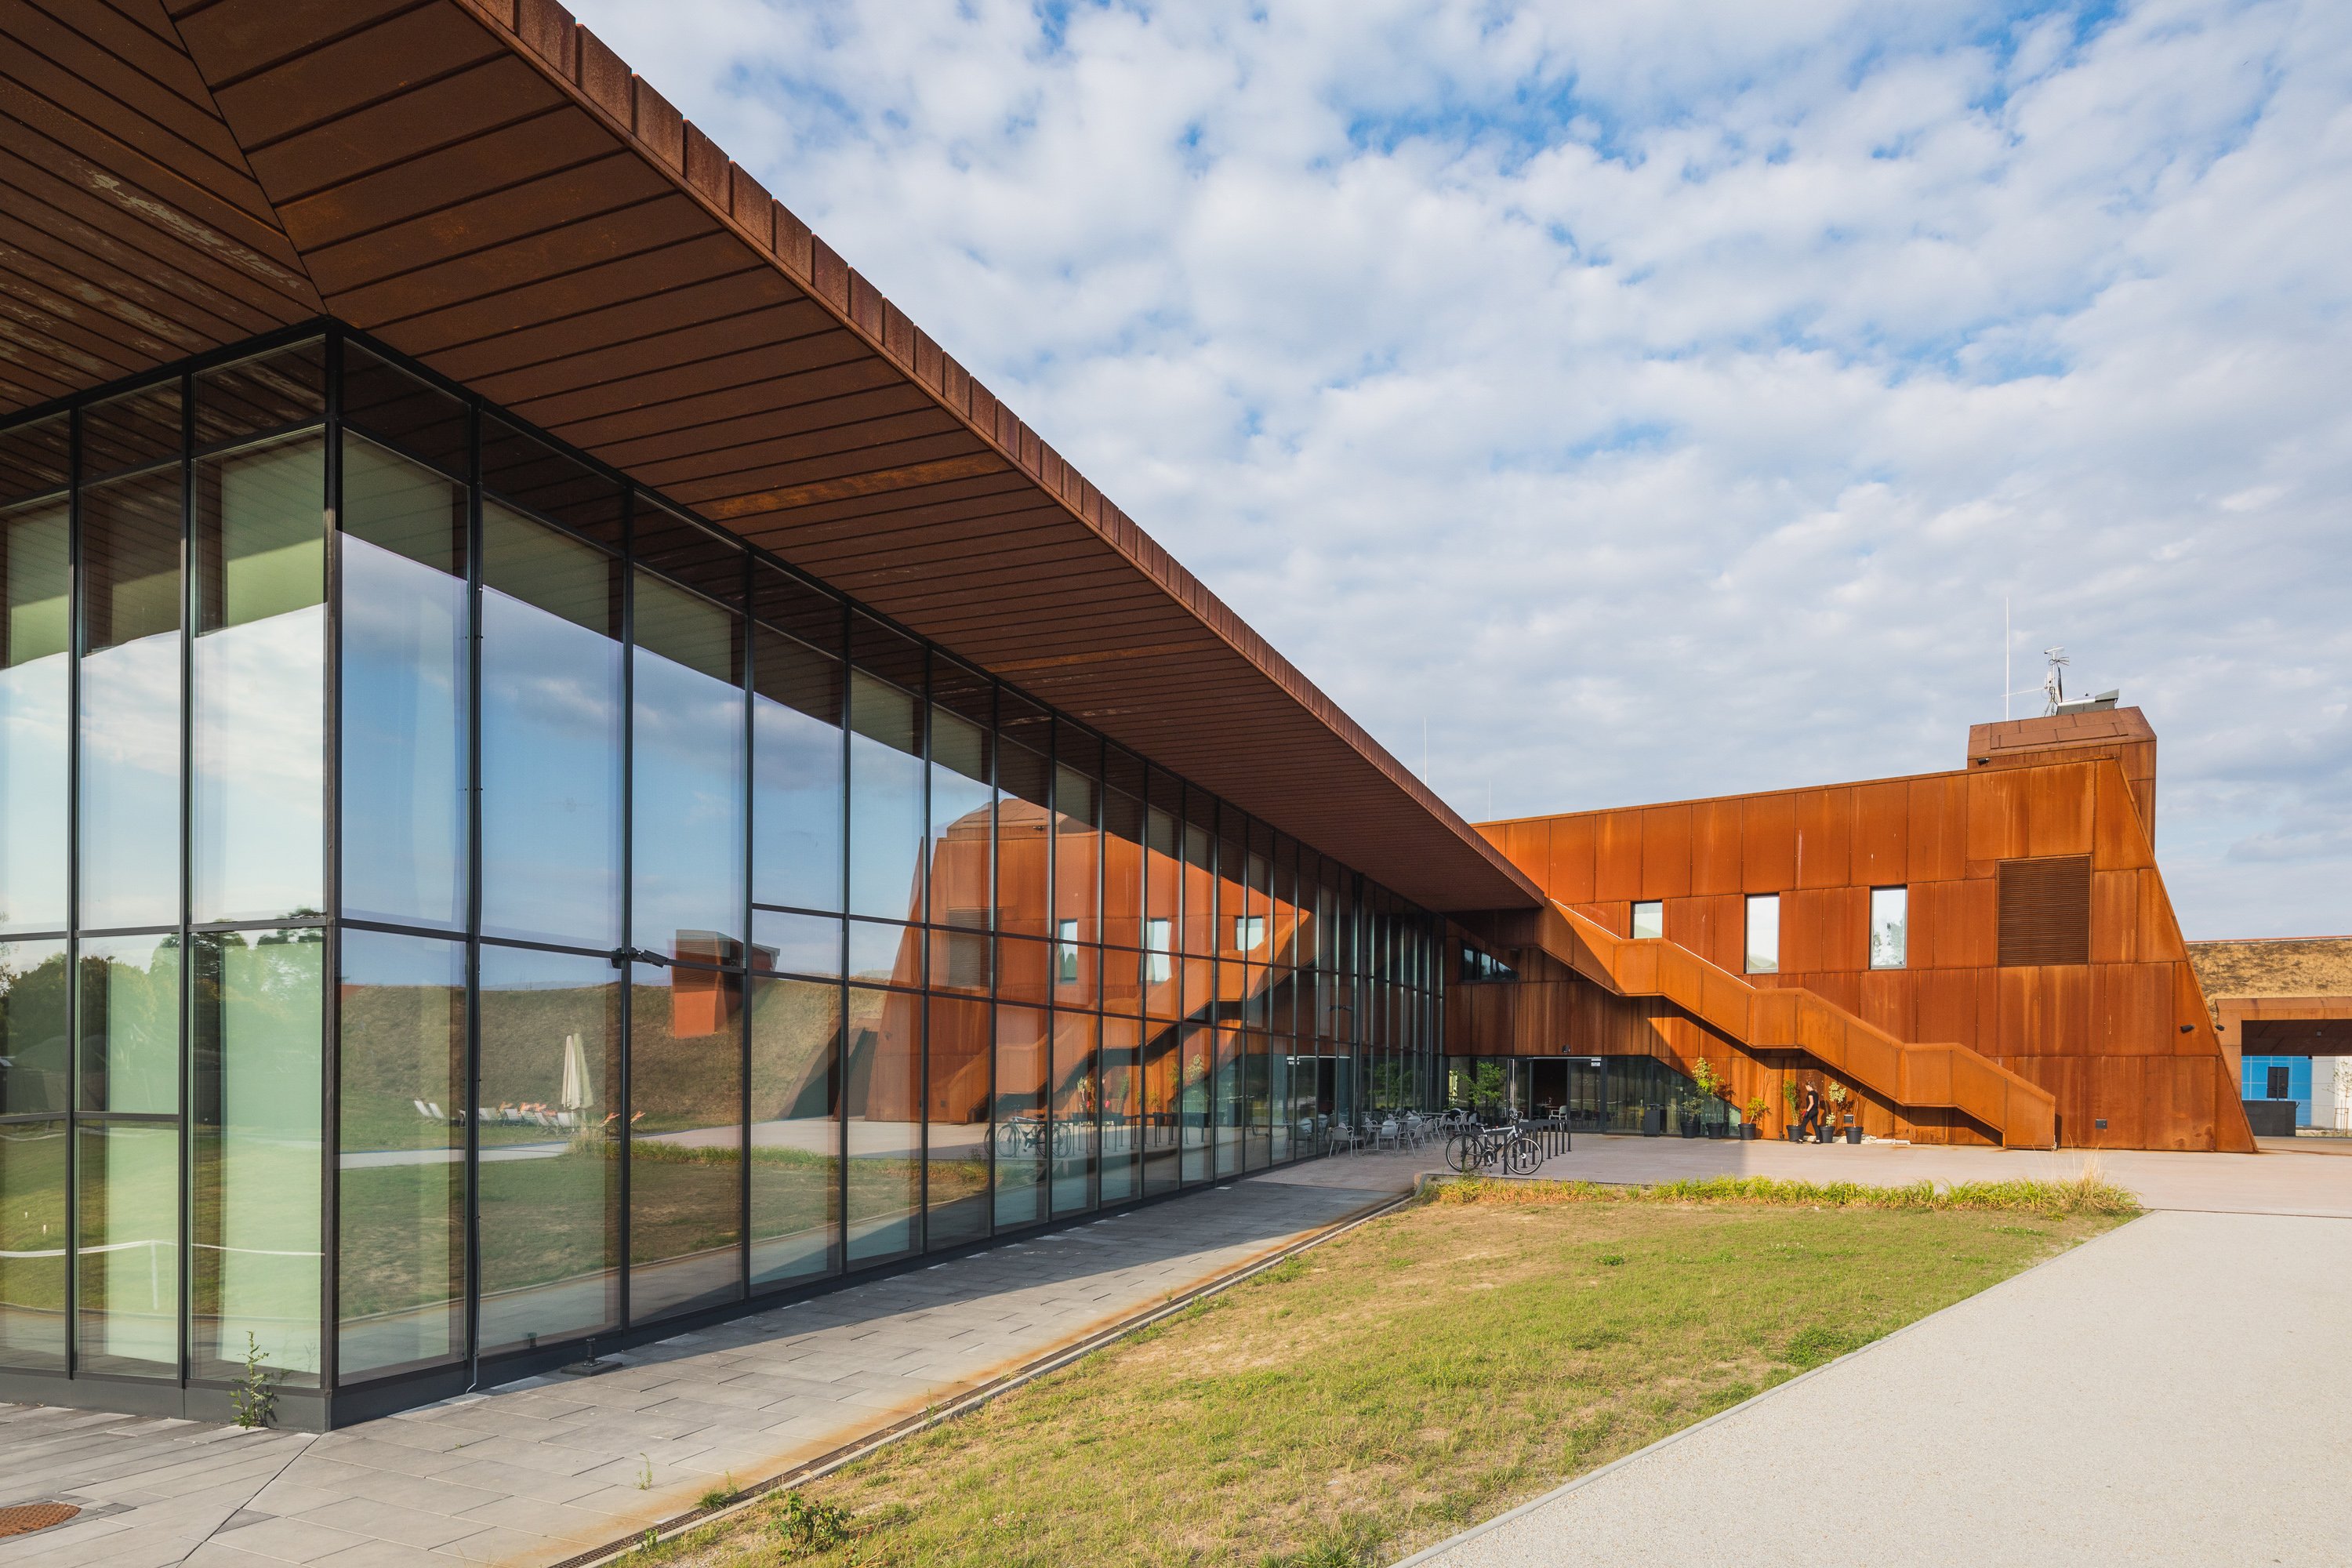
<point x="1753" y="1127"/>
<point x="1710" y="1087"/>
<point x="1690" y="1104"/>
<point x="1837" y="1094"/>
<point x="1789" y="1099"/>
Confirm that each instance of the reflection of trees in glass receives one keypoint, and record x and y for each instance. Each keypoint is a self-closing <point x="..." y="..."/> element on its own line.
<point x="33" y="1049"/>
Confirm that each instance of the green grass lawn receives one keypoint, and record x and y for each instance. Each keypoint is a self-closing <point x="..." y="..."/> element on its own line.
<point x="1417" y="1374"/>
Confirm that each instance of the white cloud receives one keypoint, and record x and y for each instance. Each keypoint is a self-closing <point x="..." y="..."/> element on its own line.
<point x="1657" y="400"/>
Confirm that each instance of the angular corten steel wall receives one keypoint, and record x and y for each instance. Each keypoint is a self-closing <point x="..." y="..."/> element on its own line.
<point x="487" y="187"/>
<point x="2124" y="1039"/>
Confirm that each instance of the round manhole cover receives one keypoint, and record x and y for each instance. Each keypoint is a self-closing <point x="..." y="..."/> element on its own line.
<point x="28" y="1517"/>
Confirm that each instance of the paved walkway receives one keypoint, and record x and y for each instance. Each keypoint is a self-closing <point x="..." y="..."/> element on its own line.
<point x="541" y="1469"/>
<point x="2286" y="1182"/>
<point x="2172" y="1392"/>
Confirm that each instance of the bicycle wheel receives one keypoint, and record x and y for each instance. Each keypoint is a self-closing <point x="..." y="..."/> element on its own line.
<point x="1461" y="1152"/>
<point x="1525" y="1155"/>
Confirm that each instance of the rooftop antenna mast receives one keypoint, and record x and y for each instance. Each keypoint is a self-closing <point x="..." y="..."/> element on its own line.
<point x="2053" y="680"/>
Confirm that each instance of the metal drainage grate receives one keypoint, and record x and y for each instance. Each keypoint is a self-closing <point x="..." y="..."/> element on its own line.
<point x="28" y="1517"/>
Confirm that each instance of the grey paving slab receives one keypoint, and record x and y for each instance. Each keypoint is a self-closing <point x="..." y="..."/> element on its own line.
<point x="2160" y="1396"/>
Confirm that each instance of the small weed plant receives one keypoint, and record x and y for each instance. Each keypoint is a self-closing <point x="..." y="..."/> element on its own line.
<point x="808" y="1524"/>
<point x="254" y="1397"/>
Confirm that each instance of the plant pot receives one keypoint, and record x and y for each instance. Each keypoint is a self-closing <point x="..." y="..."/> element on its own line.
<point x="1854" y="1134"/>
<point x="1690" y="1128"/>
<point x="1790" y="1134"/>
<point x="1822" y="1135"/>
<point x="1750" y="1132"/>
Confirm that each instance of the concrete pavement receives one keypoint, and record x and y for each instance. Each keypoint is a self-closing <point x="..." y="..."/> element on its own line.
<point x="537" y="1472"/>
<point x="2170" y="1393"/>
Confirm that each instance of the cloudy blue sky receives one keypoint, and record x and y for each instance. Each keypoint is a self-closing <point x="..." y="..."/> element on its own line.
<point x="1658" y="400"/>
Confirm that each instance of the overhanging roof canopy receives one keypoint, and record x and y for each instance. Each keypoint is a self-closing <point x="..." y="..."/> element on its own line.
<point x="484" y="185"/>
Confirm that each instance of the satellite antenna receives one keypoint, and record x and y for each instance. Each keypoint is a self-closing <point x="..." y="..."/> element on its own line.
<point x="2053" y="682"/>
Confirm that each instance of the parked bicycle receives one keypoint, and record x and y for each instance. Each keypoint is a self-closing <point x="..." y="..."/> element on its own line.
<point x="1480" y="1149"/>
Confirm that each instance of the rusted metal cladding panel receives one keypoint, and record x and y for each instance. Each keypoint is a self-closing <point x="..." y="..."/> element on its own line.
<point x="1572" y="880"/>
<point x="1767" y="843"/>
<point x="1714" y="847"/>
<point x="1881" y="848"/>
<point x="1617" y="855"/>
<point x="1666" y="852"/>
<point x="1824" y="845"/>
<point x="2131" y="1009"/>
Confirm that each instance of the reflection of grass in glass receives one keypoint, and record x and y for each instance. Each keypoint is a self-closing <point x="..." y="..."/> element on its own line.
<point x="33" y="1219"/>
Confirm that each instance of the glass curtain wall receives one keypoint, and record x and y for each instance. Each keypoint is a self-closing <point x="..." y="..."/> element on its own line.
<point x="676" y="930"/>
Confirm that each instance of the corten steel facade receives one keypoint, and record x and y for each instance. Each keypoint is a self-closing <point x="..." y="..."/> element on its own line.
<point x="1984" y="956"/>
<point x="567" y="772"/>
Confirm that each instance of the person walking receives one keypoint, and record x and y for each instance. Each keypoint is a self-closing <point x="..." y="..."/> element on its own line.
<point x="1809" y="1119"/>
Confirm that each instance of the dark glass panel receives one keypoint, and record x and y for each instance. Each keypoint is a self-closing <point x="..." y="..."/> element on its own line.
<point x="1227" y="1114"/>
<point x="1200" y="924"/>
<point x="33" y="694"/>
<point x="1077" y="856"/>
<point x="261" y="683"/>
<point x="130" y="1025"/>
<point x="788" y="604"/>
<point x="957" y="1101"/>
<point x="687" y="803"/>
<point x="1025" y="818"/>
<point x="405" y="690"/>
<point x="1163" y="889"/>
<point x="404" y="410"/>
<point x="1073" y="1093"/>
<point x="33" y="1246"/>
<point x="35" y="1053"/>
<point x="127" y="1311"/>
<point x="35" y="457"/>
<point x="894" y="656"/>
<point x="1122" y="985"/>
<point x="796" y="773"/>
<point x="1122" y="855"/>
<point x="1021" y="1132"/>
<point x="1023" y="723"/>
<point x="549" y="1182"/>
<point x="257" y="1087"/>
<point x="1282" y="1099"/>
<point x="1257" y="1108"/>
<point x="882" y="1092"/>
<point x="550" y="735"/>
<point x="400" y="1278"/>
<point x="1077" y="974"/>
<point x="686" y="1141"/>
<point x="1162" y="1074"/>
<point x="131" y="431"/>
<point x="886" y="800"/>
<point x="889" y="954"/>
<point x="795" y="1129"/>
<point x="1197" y="1063"/>
<point x="520" y="468"/>
<point x="1025" y="972"/>
<point x="961" y="823"/>
<point x="1122" y="1137"/>
<point x="130" y="826"/>
<point x="960" y="689"/>
<point x="268" y="392"/>
<point x="709" y="561"/>
<point x="797" y="944"/>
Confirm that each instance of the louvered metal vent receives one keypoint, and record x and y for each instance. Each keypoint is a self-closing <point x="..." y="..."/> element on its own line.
<point x="2045" y="909"/>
